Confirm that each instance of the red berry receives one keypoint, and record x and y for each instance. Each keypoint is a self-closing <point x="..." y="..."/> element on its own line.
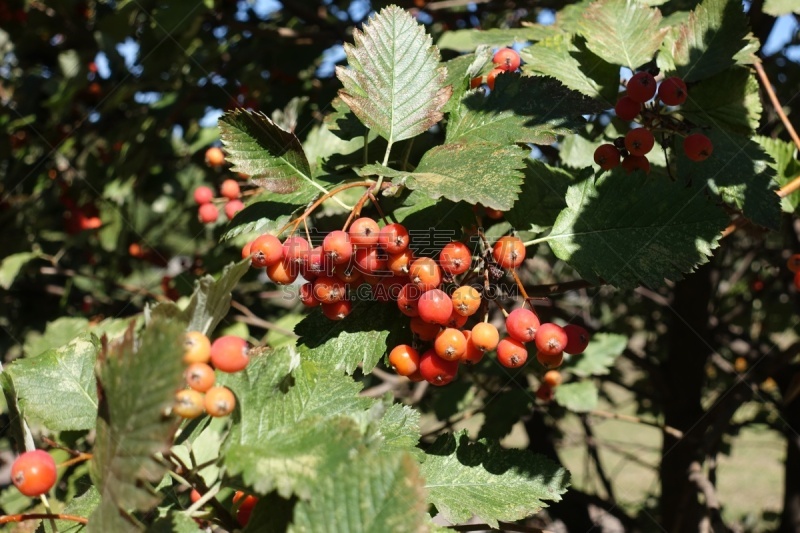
<point x="455" y="258"/>
<point x="295" y="249"/>
<point x="188" y="403"/>
<point x="34" y="473"/>
<point x="245" y="508"/>
<point x="550" y="360"/>
<point x="544" y="392"/>
<point x="283" y="272"/>
<point x="636" y="162"/>
<point x="364" y="232"/>
<point x="435" y="307"/>
<point x="607" y="156"/>
<point x="408" y="300"/>
<point x="473" y="354"/>
<point x="307" y="295"/>
<point x="793" y="263"/>
<point x="550" y="338"/>
<point x="627" y="108"/>
<point x="266" y="250"/>
<point x="455" y="321"/>
<point x="509" y="252"/>
<point x="577" y="339"/>
<point x="194" y="495"/>
<point x="328" y="289"/>
<point x="697" y="147"/>
<point x="337" y="310"/>
<point x="672" y="91"/>
<point x="641" y="87"/>
<point x="230" y="189"/>
<point x="404" y="359"/>
<point x="425" y="273"/>
<point x="639" y="141"/>
<point x="233" y="207"/>
<point x="393" y="238"/>
<point x="203" y="195"/>
<point x="435" y="370"/>
<point x="506" y="59"/>
<point x="369" y="260"/>
<point x="197" y="348"/>
<point x="399" y="263"/>
<point x="492" y="75"/>
<point x="215" y="157"/>
<point x="208" y="213"/>
<point x="522" y="324"/>
<point x="511" y="353"/>
<point x="424" y="330"/>
<point x="229" y="354"/>
<point x="797" y="280"/>
<point x="337" y="247"/>
<point x="316" y="264"/>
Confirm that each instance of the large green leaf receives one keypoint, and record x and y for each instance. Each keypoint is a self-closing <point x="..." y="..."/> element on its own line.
<point x="468" y="40"/>
<point x="399" y="429"/>
<point x="542" y="196"/>
<point x="739" y="171"/>
<point x="466" y="479"/>
<point x="257" y="147"/>
<point x="359" y="339"/>
<point x="475" y="172"/>
<point x="503" y="411"/>
<point x="567" y="59"/>
<point x="56" y="334"/>
<point x="138" y="383"/>
<point x="211" y="299"/>
<point x="579" y="397"/>
<point x="714" y="38"/>
<point x="599" y="356"/>
<point x="395" y="84"/>
<point x="83" y="506"/>
<point x="67" y="374"/>
<point x="728" y="100"/>
<point x="373" y="493"/>
<point x="628" y="230"/>
<point x="519" y="110"/>
<point x="622" y="32"/>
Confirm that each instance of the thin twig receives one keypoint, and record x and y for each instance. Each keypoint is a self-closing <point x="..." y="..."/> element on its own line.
<point x="591" y="448"/>
<point x="11" y="518"/>
<point x="678" y="434"/>
<point x="777" y="105"/>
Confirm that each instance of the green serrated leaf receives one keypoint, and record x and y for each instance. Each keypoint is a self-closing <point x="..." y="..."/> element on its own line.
<point x="270" y="211"/>
<point x="399" y="428"/>
<point x="519" y="110"/>
<point x="461" y="69"/>
<point x="599" y="356"/>
<point x="542" y="196"/>
<point x="372" y="493"/>
<point x="621" y="32"/>
<point x="466" y="479"/>
<point x="138" y="384"/>
<point x="503" y="411"/>
<point x="11" y="265"/>
<point x="56" y="334"/>
<point x="616" y="233"/>
<point x="728" y="100"/>
<point x="83" y="506"/>
<point x="343" y="123"/>
<point x="359" y="339"/>
<point x="786" y="166"/>
<point x="67" y="373"/>
<point x="257" y="147"/>
<point x="469" y="40"/>
<point x="714" y="38"/>
<point x="395" y="84"/>
<point x="211" y="299"/>
<point x="579" y="397"/>
<point x="475" y="172"/>
<point x="567" y="59"/>
<point x="739" y="171"/>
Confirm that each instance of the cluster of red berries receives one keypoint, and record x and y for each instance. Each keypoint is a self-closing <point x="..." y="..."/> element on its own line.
<point x="208" y="212"/>
<point x="506" y="60"/>
<point x="227" y="354"/>
<point x="243" y="505"/>
<point x="638" y="142"/>
<point x="794" y="265"/>
<point x="34" y="473"/>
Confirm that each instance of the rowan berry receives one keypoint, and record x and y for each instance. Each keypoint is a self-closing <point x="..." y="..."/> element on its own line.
<point x="672" y="91"/>
<point x="793" y="263"/>
<point x="466" y="300"/>
<point x="472" y="355"/>
<point x="230" y="189"/>
<point x="188" y="403"/>
<point x="506" y="59"/>
<point x="424" y="330"/>
<point x="635" y="162"/>
<point x="295" y="249"/>
<point x="266" y="250"/>
<point x="606" y="156"/>
<point x="550" y="338"/>
<point x="455" y="321"/>
<point x="550" y="360"/>
<point x="34" y="473"/>
<point x="544" y="392"/>
<point x="522" y="324"/>
<point x="408" y="300"/>
<point x="393" y="238"/>
<point x="208" y="213"/>
<point x="203" y="195"/>
<point x="490" y="78"/>
<point x="233" y="207"/>
<point x="425" y="273"/>
<point x="404" y="359"/>
<point x="348" y="274"/>
<point x="641" y="87"/>
<point x="215" y="157"/>
<point x="639" y="141"/>
<point x="508" y="252"/>
<point x="577" y="339"/>
<point x="229" y="354"/>
<point x="485" y="336"/>
<point x="369" y="260"/>
<point x="316" y="264"/>
<point x="328" y="289"/>
<point x="455" y="258"/>
<point x="511" y="353"/>
<point x="627" y="108"/>
<point x="245" y="508"/>
<point x="399" y="263"/>
<point x="450" y="344"/>
<point x="337" y="310"/>
<point x="552" y="378"/>
<point x="697" y="147"/>
<point x="246" y="250"/>
<point x="435" y="307"/>
<point x="337" y="247"/>
<point x="435" y="370"/>
<point x="219" y="401"/>
<point x="196" y="348"/>
<point x="364" y="232"/>
<point x="306" y="295"/>
<point x="283" y="272"/>
<point x="199" y="376"/>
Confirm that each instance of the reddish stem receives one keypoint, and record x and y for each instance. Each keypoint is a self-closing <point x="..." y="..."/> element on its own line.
<point x="11" y="518"/>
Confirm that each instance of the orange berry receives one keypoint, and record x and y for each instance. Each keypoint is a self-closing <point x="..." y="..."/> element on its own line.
<point x="197" y="348"/>
<point x="553" y="378"/>
<point x="485" y="336"/>
<point x="450" y="344"/>
<point x="425" y="273"/>
<point x="511" y="353"/>
<point x="199" y="376"/>
<point x="219" y="401"/>
<point x="466" y="300"/>
<point x="472" y="355"/>
<point x="404" y="359"/>
<point x="188" y="403"/>
<point x="508" y="252"/>
<point x="215" y="157"/>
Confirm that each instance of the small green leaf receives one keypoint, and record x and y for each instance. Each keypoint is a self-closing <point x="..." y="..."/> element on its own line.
<point x="567" y="59"/>
<point x="469" y="40"/>
<point x="728" y="100"/>
<point x="466" y="479"/>
<point x="257" y="147"/>
<point x="740" y="172"/>
<point x="475" y="172"/>
<point x="67" y="374"/>
<point x="714" y="38"/>
<point x="138" y="384"/>
<point x="211" y="299"/>
<point x="520" y="110"/>
<point x="359" y="339"/>
<point x="11" y="265"/>
<point x="56" y="334"/>
<point x="616" y="232"/>
<point x="599" y="356"/>
<point x="621" y="32"/>
<point x="786" y="166"/>
<point x="395" y="84"/>
<point x="579" y="397"/>
<point x="371" y="493"/>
